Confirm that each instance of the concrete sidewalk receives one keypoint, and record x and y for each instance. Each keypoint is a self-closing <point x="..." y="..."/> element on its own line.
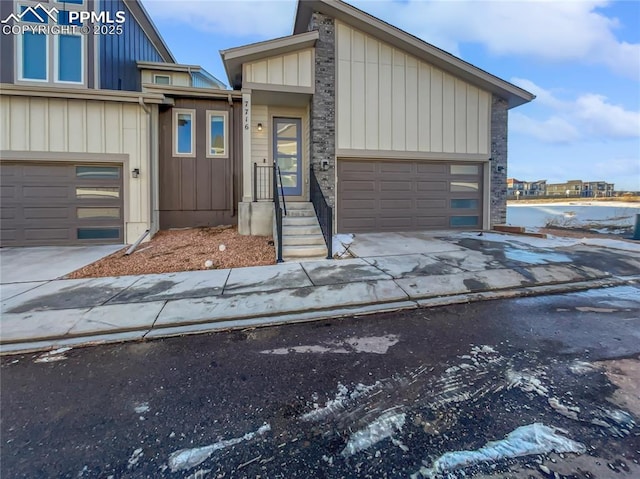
<point x="392" y="272"/>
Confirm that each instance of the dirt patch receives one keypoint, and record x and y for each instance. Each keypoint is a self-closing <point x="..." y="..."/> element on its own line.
<point x="625" y="374"/>
<point x="185" y="250"/>
<point x="580" y="233"/>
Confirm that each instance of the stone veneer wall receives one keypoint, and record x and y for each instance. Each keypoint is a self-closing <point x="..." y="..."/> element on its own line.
<point x="323" y="106"/>
<point x="499" y="121"/>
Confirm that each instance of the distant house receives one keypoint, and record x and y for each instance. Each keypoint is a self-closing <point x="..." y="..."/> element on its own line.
<point x="521" y="189"/>
<point x="581" y="189"/>
<point x="106" y="136"/>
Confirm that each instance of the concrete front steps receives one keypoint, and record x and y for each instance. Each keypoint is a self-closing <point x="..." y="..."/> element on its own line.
<point x="301" y="234"/>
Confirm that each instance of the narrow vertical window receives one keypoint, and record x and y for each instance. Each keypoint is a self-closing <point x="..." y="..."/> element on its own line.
<point x="34" y="56"/>
<point x="70" y="59"/>
<point x="183" y="134"/>
<point x="217" y="134"/>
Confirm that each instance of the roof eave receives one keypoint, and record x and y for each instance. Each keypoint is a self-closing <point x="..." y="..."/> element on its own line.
<point x="514" y="95"/>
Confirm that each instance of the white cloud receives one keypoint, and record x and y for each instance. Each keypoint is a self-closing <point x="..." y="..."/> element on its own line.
<point x="552" y="130"/>
<point x="603" y="118"/>
<point x="237" y="18"/>
<point x="548" y="30"/>
<point x="589" y="115"/>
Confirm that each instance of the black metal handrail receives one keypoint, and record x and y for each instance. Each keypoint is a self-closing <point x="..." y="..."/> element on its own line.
<point x="324" y="212"/>
<point x="278" y="209"/>
<point x="262" y="177"/>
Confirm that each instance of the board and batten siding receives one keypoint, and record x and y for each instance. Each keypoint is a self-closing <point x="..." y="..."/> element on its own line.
<point x="391" y="101"/>
<point x="35" y="125"/>
<point x="292" y="69"/>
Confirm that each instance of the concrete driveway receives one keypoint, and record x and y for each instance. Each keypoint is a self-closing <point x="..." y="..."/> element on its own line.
<point x="46" y="263"/>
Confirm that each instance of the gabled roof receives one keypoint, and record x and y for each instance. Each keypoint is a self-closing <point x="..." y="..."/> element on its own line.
<point x="233" y="58"/>
<point x="411" y="44"/>
<point x="144" y="20"/>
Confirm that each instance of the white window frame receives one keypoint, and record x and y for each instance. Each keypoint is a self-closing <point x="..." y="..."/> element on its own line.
<point x="155" y="76"/>
<point x="20" y="65"/>
<point x="52" y="48"/>
<point x="225" y="116"/>
<point x="56" y="60"/>
<point x="182" y="111"/>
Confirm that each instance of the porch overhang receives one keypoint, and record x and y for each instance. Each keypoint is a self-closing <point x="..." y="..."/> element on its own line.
<point x="280" y="98"/>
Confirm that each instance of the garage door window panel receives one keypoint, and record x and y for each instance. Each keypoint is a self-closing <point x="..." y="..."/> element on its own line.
<point x="471" y="170"/>
<point x="464" y="186"/>
<point x="463" y="221"/>
<point x="98" y="172"/>
<point x="464" y="204"/>
<point x="98" y="213"/>
<point x="98" y="233"/>
<point x="97" y="193"/>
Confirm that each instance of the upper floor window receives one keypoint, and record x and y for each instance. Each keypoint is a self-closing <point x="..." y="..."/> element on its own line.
<point x="49" y="55"/>
<point x="217" y="134"/>
<point x="162" y="79"/>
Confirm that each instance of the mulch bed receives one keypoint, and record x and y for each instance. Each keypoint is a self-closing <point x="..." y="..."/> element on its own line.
<point x="185" y="250"/>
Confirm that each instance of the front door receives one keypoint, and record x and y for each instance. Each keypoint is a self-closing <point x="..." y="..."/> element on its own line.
<point x="287" y="152"/>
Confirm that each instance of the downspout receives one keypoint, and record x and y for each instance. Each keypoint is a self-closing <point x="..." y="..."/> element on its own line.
<point x="147" y="110"/>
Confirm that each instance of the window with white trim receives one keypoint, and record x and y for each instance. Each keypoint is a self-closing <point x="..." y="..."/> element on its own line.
<point x="162" y="79"/>
<point x="51" y="58"/>
<point x="184" y="129"/>
<point x="217" y="134"/>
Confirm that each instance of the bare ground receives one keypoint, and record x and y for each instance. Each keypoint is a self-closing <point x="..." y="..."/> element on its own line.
<point x="185" y="250"/>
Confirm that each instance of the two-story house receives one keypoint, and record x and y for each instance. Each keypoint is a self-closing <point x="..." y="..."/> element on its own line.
<point x="105" y="136"/>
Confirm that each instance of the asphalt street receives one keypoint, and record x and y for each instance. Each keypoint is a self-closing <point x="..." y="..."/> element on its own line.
<point x="388" y="395"/>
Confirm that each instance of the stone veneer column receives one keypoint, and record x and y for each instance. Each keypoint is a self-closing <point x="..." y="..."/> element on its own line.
<point x="323" y="106"/>
<point x="498" y="164"/>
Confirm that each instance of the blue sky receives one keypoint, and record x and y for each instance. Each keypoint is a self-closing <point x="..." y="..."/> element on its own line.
<point x="580" y="57"/>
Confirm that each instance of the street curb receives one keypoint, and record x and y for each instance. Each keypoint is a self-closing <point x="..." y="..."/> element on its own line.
<point x="208" y="326"/>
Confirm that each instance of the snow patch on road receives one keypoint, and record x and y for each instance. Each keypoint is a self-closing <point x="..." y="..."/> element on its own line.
<point x="188" y="458"/>
<point x="355" y="344"/>
<point x="135" y="457"/>
<point x="141" y="408"/>
<point x="53" y="356"/>
<point x="339" y="402"/>
<point x="380" y="429"/>
<point x="526" y="382"/>
<point x="524" y="441"/>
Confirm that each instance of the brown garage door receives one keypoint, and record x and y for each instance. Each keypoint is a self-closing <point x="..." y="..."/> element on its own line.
<point x="60" y="204"/>
<point x="393" y="195"/>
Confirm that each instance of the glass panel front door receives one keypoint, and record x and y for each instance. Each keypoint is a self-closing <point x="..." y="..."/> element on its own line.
<point x="287" y="152"/>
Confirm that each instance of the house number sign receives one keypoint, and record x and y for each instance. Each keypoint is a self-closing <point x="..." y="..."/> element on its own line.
<point x="246" y="108"/>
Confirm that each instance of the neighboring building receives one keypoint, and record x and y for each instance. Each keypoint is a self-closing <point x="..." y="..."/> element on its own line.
<point x="399" y="134"/>
<point x="86" y="142"/>
<point x="581" y="189"/>
<point x="521" y="189"/>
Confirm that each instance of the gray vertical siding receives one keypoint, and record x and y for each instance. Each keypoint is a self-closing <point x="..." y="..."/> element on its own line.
<point x="6" y="47"/>
<point x="200" y="191"/>
<point x="119" y="53"/>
